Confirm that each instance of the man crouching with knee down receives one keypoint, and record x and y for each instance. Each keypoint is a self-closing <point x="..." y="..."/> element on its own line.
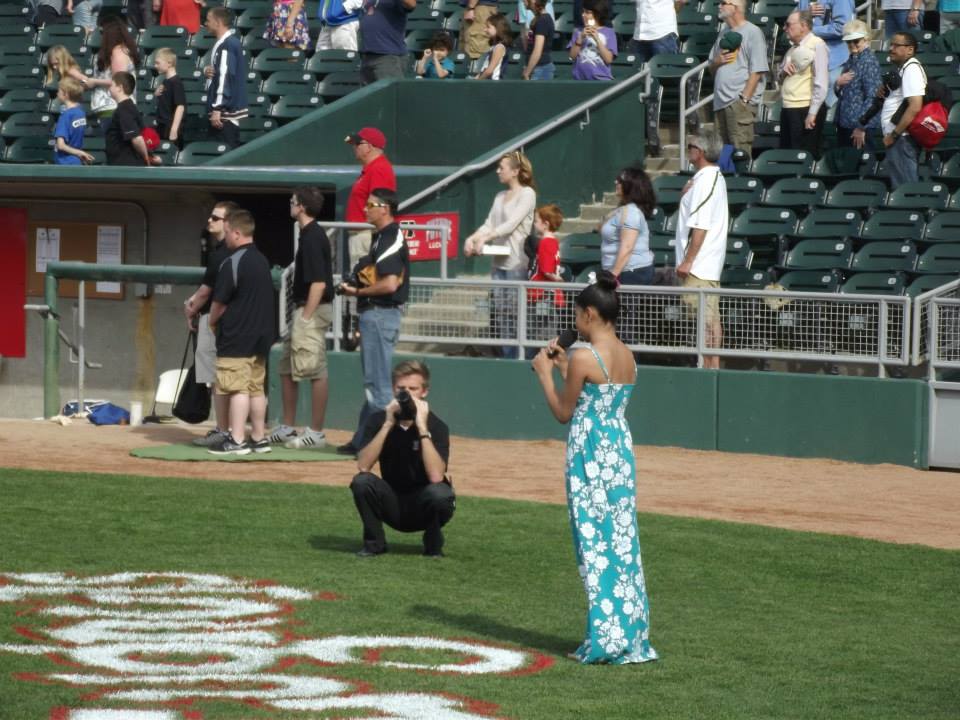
<point x="412" y="446"/>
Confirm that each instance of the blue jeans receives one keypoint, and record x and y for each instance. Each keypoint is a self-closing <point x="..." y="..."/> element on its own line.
<point x="638" y="276"/>
<point x="646" y="49"/>
<point x="895" y="21"/>
<point x="379" y="330"/>
<point x="903" y="158"/>
<point x="503" y="310"/>
<point x="544" y="72"/>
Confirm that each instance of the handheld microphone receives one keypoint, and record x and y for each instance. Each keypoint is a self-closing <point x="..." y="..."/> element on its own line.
<point x="567" y="338"/>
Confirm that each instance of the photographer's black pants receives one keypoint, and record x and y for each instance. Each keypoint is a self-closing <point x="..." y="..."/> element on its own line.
<point x="427" y="509"/>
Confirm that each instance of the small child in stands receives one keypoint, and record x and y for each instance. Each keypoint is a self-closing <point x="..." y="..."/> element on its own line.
<point x="542" y="305"/>
<point x="436" y="62"/>
<point x="495" y="60"/>
<point x="71" y="125"/>
<point x="61" y="64"/>
<point x="171" y="98"/>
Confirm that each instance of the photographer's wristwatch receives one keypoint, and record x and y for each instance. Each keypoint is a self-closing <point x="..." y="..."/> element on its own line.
<point x="426" y="436"/>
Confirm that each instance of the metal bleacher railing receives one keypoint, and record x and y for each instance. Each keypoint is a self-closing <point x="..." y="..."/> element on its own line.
<point x="758" y="324"/>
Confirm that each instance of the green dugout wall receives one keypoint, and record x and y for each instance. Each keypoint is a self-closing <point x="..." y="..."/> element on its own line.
<point x="867" y="420"/>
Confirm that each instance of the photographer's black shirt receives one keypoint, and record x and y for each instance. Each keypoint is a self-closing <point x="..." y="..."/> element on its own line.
<point x="389" y="251"/>
<point x="401" y="460"/>
<point x="312" y="264"/>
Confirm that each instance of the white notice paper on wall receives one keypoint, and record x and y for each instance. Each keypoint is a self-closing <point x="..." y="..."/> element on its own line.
<point x="48" y="247"/>
<point x="109" y="252"/>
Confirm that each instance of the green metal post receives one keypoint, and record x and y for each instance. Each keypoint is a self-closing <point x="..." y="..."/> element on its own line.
<point x="51" y="349"/>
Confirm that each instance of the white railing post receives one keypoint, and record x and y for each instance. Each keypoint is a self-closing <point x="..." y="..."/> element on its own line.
<point x="684" y="110"/>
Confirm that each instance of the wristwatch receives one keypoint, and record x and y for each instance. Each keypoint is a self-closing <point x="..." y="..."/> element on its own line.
<point x="426" y="436"/>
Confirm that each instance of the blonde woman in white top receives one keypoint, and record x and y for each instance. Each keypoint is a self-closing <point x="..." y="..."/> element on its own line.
<point x="508" y="224"/>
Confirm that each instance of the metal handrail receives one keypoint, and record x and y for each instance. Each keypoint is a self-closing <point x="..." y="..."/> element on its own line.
<point x="868" y="6"/>
<point x="536" y="134"/>
<point x="684" y="111"/>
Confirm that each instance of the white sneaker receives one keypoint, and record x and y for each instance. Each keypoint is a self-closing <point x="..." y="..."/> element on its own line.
<point x="307" y="440"/>
<point x="281" y="434"/>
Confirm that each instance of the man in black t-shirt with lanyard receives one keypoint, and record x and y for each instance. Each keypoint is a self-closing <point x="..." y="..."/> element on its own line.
<point x="414" y="493"/>
<point x="243" y="317"/>
<point x="381" y="286"/>
<point x="305" y="348"/>
<point x="197" y="309"/>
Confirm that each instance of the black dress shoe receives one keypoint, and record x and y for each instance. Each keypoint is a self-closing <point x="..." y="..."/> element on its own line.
<point x="347" y="449"/>
<point x="364" y="553"/>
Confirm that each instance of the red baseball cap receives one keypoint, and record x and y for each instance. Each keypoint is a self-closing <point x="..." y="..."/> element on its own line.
<point x="370" y="135"/>
<point x="151" y="138"/>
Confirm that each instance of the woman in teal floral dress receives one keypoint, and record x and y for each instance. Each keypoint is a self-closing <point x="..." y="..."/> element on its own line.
<point x="601" y="485"/>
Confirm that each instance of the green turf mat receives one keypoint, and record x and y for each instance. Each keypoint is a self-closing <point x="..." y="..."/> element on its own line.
<point x="179" y="451"/>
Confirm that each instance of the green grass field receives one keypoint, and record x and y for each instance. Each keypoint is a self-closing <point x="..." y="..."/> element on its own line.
<point x="750" y="622"/>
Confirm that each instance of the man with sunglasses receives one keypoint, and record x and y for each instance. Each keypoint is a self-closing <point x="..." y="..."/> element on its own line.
<point x="197" y="310"/>
<point x="900" y="107"/>
<point x="381" y="284"/>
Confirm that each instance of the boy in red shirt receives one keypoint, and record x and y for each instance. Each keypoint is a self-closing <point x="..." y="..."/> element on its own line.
<point x="542" y="304"/>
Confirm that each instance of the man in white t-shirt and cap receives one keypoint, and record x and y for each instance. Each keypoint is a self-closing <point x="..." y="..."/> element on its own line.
<point x="701" y="239"/>
<point x="655" y="33"/>
<point x="903" y="153"/>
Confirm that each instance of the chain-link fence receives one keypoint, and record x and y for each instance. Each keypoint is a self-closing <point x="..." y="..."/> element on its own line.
<point x="923" y="329"/>
<point x="944" y="343"/>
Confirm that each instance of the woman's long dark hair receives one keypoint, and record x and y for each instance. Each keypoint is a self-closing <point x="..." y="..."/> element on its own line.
<point x="636" y="188"/>
<point x="112" y="33"/>
<point x="600" y="10"/>
<point x="601" y="296"/>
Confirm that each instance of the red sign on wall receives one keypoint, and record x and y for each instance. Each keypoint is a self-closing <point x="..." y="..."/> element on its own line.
<point x="426" y="244"/>
<point x="13" y="282"/>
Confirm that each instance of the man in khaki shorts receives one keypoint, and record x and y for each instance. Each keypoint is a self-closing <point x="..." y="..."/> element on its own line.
<point x="701" y="239"/>
<point x="197" y="310"/>
<point x="242" y="316"/>
<point x="305" y="348"/>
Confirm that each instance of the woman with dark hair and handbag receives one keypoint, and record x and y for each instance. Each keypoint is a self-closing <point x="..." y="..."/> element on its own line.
<point x="601" y="477"/>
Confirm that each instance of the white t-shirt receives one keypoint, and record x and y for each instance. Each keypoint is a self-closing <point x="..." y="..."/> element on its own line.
<point x="913" y="82"/>
<point x="704" y="207"/>
<point x="655" y="19"/>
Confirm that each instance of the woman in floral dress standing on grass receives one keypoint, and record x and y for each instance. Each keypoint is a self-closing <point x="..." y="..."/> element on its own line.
<point x="601" y="484"/>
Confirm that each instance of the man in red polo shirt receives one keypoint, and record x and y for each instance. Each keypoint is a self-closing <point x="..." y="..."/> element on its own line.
<point x="368" y="145"/>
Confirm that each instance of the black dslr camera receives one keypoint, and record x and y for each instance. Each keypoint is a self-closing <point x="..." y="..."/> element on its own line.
<point x="353" y="280"/>
<point x="891" y="82"/>
<point x="408" y="408"/>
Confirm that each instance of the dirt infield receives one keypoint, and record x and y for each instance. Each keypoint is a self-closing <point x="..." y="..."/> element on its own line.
<point x="883" y="502"/>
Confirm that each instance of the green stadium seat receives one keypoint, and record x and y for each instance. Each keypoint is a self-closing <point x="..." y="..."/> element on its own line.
<point x="516" y="61"/>
<point x="27" y="124"/>
<point x="418" y="40"/>
<point x="875" y="283"/>
<point x="700" y="44"/>
<point x="662" y="247"/>
<point x="950" y="172"/>
<point x="623" y="25"/>
<point x="764" y="222"/>
<point x="743" y="190"/>
<point x="829" y="223"/>
<point x="293" y="106"/>
<point x="452" y="24"/>
<point x="461" y="65"/>
<point x="70" y="36"/>
<point x="13" y="77"/>
<point x="942" y="259"/>
<point x="737" y="278"/>
<point x="886" y="255"/>
<point x="198" y="153"/>
<point x="427" y="19"/>
<point x="174" y="37"/>
<point x="274" y="60"/>
<point x="576" y="255"/>
<point x="921" y="195"/>
<point x="624" y="65"/>
<point x="254" y="42"/>
<point x="856" y="195"/>
<point x="14" y="10"/>
<point x="926" y="283"/>
<point x="825" y="281"/>
<point x="253" y="128"/>
<point x="773" y="164"/>
<point x="690" y="21"/>
<point x="795" y="193"/>
<point x="288" y="81"/>
<point x="23" y="100"/>
<point x="941" y="228"/>
<point x="938" y="65"/>
<point x="238" y="6"/>
<point x="819" y="254"/>
<point x="668" y="189"/>
<point x="30" y="150"/>
<point x="738" y="253"/>
<point x="202" y="41"/>
<point x="778" y="9"/>
<point x="336" y="85"/>
<point x="253" y="18"/>
<point x="893" y="225"/>
<point x="843" y="163"/>
<point x="325" y="62"/>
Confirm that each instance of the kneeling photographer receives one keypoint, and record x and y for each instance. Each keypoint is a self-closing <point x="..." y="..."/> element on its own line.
<point x="412" y="446"/>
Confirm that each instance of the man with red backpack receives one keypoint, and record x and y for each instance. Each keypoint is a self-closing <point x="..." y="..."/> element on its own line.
<point x="900" y="107"/>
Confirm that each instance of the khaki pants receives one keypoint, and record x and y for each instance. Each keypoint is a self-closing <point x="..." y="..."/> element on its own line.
<point x="693" y="301"/>
<point x="473" y="35"/>
<point x="304" y="355"/>
<point x="735" y="125"/>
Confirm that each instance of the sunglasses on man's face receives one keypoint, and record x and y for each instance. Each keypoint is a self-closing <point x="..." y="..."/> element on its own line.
<point x="377" y="205"/>
<point x="215" y="218"/>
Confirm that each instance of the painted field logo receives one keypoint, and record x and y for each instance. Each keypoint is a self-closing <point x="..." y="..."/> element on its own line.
<point x="155" y="646"/>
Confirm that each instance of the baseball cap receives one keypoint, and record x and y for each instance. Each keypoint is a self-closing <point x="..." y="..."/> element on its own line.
<point x="368" y="134"/>
<point x="151" y="138"/>
<point x="801" y="57"/>
<point x="855" y="35"/>
<point x="730" y="41"/>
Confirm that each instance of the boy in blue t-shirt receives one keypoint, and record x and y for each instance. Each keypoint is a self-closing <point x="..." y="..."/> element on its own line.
<point x="436" y="62"/>
<point x="70" y="126"/>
